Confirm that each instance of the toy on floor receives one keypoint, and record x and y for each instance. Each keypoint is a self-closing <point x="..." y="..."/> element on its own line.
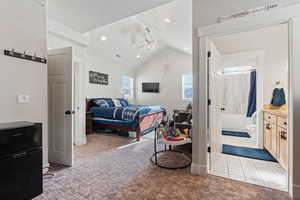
<point x="170" y="133"/>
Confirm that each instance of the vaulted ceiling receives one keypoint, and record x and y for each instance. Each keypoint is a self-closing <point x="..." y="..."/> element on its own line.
<point x="122" y="43"/>
<point x="178" y="32"/>
<point x="84" y="15"/>
<point x="125" y="36"/>
<point x="170" y="25"/>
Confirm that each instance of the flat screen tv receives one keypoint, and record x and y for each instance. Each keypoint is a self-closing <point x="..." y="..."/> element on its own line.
<point x="150" y="87"/>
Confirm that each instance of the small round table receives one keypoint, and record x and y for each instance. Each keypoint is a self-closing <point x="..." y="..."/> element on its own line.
<point x="155" y="160"/>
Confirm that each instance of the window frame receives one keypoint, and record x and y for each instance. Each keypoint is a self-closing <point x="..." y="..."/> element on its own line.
<point x="131" y="87"/>
<point x="183" y="86"/>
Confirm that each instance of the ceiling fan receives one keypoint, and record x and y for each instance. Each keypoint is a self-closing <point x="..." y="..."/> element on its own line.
<point x="148" y="43"/>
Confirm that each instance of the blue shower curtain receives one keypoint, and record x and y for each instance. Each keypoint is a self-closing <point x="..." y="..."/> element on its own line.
<point x="252" y="95"/>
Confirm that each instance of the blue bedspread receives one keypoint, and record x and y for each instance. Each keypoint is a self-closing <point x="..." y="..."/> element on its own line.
<point x="130" y="113"/>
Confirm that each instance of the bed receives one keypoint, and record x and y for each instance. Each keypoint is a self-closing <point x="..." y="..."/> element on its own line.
<point x="119" y="114"/>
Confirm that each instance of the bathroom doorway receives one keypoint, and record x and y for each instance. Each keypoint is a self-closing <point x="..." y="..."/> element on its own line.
<point x="248" y="81"/>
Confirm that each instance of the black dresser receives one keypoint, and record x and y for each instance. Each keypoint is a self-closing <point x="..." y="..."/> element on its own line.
<point x="21" y="171"/>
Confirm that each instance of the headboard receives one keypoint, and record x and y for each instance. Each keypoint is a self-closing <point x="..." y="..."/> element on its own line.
<point x="88" y="104"/>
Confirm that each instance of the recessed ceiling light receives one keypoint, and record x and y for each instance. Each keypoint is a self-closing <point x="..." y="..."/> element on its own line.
<point x="167" y="20"/>
<point x="138" y="56"/>
<point x="103" y="38"/>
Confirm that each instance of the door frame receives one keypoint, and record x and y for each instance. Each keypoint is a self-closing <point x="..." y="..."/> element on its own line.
<point x="211" y="109"/>
<point x="289" y="15"/>
<point x="79" y="92"/>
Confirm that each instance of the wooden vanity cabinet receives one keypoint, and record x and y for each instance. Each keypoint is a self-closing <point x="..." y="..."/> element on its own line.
<point x="275" y="136"/>
<point x="267" y="136"/>
<point x="282" y="147"/>
<point x="270" y="140"/>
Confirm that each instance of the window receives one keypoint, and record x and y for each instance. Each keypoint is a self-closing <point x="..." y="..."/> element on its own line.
<point x="187" y="86"/>
<point x="237" y="70"/>
<point x="127" y="87"/>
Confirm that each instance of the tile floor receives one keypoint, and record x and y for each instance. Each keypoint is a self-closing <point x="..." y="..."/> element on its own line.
<point x="263" y="173"/>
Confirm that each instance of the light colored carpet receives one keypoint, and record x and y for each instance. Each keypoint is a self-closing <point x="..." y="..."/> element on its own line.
<point x="113" y="168"/>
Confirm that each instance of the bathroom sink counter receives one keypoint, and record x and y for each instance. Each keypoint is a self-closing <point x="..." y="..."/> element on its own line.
<point x="276" y="112"/>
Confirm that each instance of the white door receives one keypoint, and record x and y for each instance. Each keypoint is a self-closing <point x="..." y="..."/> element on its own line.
<point x="216" y="98"/>
<point x="61" y="109"/>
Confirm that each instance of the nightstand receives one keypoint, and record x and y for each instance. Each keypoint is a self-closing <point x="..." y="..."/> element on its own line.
<point x="89" y="123"/>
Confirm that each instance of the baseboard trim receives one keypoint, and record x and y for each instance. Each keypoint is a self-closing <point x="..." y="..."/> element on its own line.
<point x="296" y="192"/>
<point x="45" y="167"/>
<point x="198" y="169"/>
<point x="80" y="142"/>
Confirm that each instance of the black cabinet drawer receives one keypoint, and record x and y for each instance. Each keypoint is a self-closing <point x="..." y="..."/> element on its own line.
<point x="21" y="176"/>
<point x="21" y="161"/>
<point x="29" y="175"/>
<point x="20" y="139"/>
<point x="7" y="179"/>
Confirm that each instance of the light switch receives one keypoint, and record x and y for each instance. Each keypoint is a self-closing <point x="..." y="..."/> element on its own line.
<point x="23" y="98"/>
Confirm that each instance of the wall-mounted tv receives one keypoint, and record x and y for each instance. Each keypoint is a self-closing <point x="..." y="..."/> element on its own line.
<point x="150" y="87"/>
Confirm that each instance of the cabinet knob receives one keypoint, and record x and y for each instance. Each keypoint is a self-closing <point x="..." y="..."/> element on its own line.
<point x="283" y="135"/>
<point x="268" y="126"/>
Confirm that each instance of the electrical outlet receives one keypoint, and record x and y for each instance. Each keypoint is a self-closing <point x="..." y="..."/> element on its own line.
<point x="23" y="98"/>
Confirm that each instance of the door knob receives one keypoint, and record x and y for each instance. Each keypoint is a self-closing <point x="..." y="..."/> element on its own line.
<point x="68" y="112"/>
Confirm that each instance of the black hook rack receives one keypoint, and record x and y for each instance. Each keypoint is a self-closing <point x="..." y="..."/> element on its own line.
<point x="24" y="56"/>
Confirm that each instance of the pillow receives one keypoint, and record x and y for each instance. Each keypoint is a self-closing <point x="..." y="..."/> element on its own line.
<point x="101" y="103"/>
<point x="108" y="101"/>
<point x="124" y="102"/>
<point x="117" y="103"/>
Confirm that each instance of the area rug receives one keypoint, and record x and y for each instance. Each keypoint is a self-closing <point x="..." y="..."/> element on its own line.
<point x="236" y="134"/>
<point x="259" y="154"/>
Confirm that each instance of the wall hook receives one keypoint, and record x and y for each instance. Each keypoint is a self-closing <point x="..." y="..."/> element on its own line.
<point x="24" y="56"/>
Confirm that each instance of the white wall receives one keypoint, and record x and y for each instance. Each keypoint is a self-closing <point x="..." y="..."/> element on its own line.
<point x="23" y="27"/>
<point x="115" y="72"/>
<point x="65" y="37"/>
<point x="166" y="68"/>
<point x="55" y="42"/>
